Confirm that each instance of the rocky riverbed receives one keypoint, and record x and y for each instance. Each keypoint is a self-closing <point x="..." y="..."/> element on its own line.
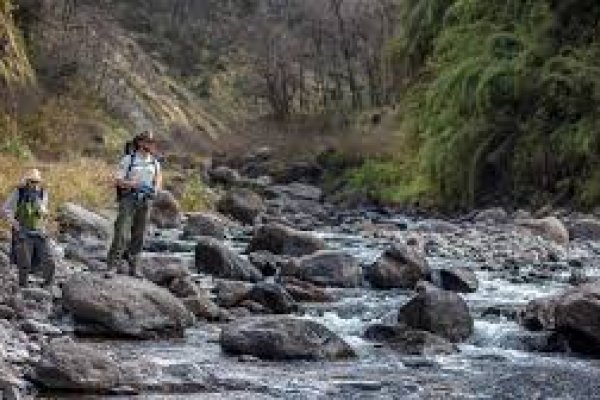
<point x="282" y="295"/>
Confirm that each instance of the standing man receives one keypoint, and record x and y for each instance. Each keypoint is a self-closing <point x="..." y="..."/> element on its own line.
<point x="137" y="181"/>
<point x="26" y="210"/>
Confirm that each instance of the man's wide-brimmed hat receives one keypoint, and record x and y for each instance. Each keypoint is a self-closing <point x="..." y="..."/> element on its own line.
<point x="32" y="175"/>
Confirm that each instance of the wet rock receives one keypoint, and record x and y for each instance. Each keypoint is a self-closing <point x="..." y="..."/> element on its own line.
<point x="410" y="341"/>
<point x="163" y="270"/>
<point x="550" y="228"/>
<point x="241" y="204"/>
<point x="166" y="212"/>
<point x="9" y="383"/>
<point x="330" y="269"/>
<point x="296" y="190"/>
<point x="585" y="229"/>
<point x="272" y="296"/>
<point x="400" y="266"/>
<point x="436" y="226"/>
<point x="213" y="257"/>
<point x="202" y="307"/>
<point x="492" y="215"/>
<point x="457" y="279"/>
<point x="301" y="171"/>
<point x="124" y="307"/>
<point x="284" y="339"/>
<point x="183" y="287"/>
<point x="68" y="366"/>
<point x="36" y="294"/>
<point x="305" y="291"/>
<point x="268" y="263"/>
<point x="7" y="312"/>
<point x="76" y="221"/>
<point x="33" y="326"/>
<point x="438" y="311"/>
<point x="282" y="240"/>
<point x="204" y="224"/>
<point x="230" y="293"/>
<point x="224" y="176"/>
<point x="578" y="318"/>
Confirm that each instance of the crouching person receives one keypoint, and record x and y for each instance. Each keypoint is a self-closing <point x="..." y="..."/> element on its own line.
<point x="137" y="180"/>
<point x="26" y="210"/>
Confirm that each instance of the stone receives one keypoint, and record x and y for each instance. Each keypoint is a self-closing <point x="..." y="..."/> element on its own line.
<point x="296" y="190"/>
<point x="492" y="215"/>
<point x="305" y="291"/>
<point x="550" y="228"/>
<point x="202" y="307"/>
<point x="539" y="314"/>
<point x="330" y="269"/>
<point x="231" y="293"/>
<point x="456" y="279"/>
<point x="223" y="175"/>
<point x="76" y="221"/>
<point x="68" y="366"/>
<point x="282" y="240"/>
<point x="272" y="296"/>
<point x="166" y="212"/>
<point x="409" y="341"/>
<point x="124" y="307"/>
<point x="241" y="204"/>
<point x="578" y="318"/>
<point x="204" y="224"/>
<point x="214" y="258"/>
<point x="438" y="311"/>
<point x="400" y="266"/>
<point x="584" y="228"/>
<point x="163" y="270"/>
<point x="284" y="339"/>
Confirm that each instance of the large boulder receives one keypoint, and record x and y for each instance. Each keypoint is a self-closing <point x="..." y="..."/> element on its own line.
<point x="456" y="279"/>
<point x="409" y="341"/>
<point x="68" y="366"/>
<point x="242" y="204"/>
<point x="204" y="224"/>
<point x="213" y="257"/>
<point x="76" y="221"/>
<point x="400" y="266"/>
<point x="578" y="318"/>
<point x="163" y="270"/>
<point x="550" y="228"/>
<point x="330" y="269"/>
<point x="284" y="339"/>
<point x="272" y="296"/>
<point x="166" y="212"/>
<point x="303" y="291"/>
<point x="282" y="240"/>
<point x="437" y="311"/>
<point x="124" y="307"/>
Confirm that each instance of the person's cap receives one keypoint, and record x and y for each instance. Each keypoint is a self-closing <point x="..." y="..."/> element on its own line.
<point x="33" y="175"/>
<point x="146" y="136"/>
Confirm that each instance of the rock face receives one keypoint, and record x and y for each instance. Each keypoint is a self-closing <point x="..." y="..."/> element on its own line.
<point x="213" y="257"/>
<point x="400" y="266"/>
<point x="279" y="239"/>
<point x="204" y="224"/>
<point x="166" y="212"/>
<point x="578" y="318"/>
<point x="550" y="228"/>
<point x="284" y="339"/>
<point x="68" y="366"/>
<point x="330" y="269"/>
<point x="438" y="311"/>
<point x="409" y="341"/>
<point x="457" y="279"/>
<point x="124" y="307"/>
<point x="242" y="204"/>
<point x="76" y="221"/>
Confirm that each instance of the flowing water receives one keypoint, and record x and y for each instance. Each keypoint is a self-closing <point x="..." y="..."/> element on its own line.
<point x="496" y="363"/>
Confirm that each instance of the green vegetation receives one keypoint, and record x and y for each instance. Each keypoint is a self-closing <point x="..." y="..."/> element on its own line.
<point x="503" y="101"/>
